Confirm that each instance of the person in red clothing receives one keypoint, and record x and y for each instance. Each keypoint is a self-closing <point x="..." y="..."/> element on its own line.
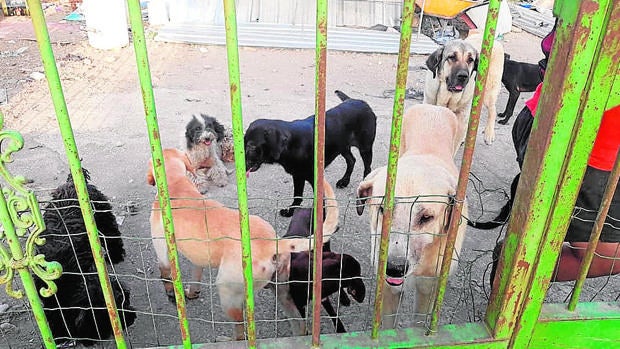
<point x="606" y="260"/>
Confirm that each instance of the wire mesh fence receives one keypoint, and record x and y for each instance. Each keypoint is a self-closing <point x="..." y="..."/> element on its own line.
<point x="150" y="318"/>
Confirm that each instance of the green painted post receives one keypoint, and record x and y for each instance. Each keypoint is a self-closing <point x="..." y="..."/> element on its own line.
<point x="468" y="153"/>
<point x="58" y="99"/>
<point x="319" y="168"/>
<point x="581" y="72"/>
<point x="148" y="99"/>
<point x="397" y="120"/>
<point x="232" y="50"/>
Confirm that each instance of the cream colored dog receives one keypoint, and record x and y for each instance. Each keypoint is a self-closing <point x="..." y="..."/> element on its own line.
<point x="208" y="234"/>
<point x="451" y="76"/>
<point x="426" y="180"/>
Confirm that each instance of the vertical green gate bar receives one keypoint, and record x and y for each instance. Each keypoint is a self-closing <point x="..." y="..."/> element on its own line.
<point x="581" y="72"/>
<point x="232" y="50"/>
<point x="468" y="153"/>
<point x="146" y="86"/>
<point x="319" y="165"/>
<point x="60" y="107"/>
<point x="397" y="119"/>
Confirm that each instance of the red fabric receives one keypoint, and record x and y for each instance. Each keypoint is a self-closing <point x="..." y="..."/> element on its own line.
<point x="532" y="103"/>
<point x="607" y="141"/>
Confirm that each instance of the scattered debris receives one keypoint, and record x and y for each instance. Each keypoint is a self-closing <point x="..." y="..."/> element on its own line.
<point x="410" y="93"/>
<point x="131" y="207"/>
<point x="35" y="75"/>
<point x="3" y="307"/>
<point x="7" y="326"/>
<point x="4" y="96"/>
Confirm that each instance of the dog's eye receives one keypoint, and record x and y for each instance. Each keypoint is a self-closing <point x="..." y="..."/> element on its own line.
<point x="425" y="218"/>
<point x="452" y="58"/>
<point x="470" y="60"/>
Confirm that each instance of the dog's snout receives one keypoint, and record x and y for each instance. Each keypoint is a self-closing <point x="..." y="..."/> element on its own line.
<point x="396" y="267"/>
<point x="462" y="75"/>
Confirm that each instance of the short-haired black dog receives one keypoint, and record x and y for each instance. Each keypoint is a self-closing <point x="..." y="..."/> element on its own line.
<point x="517" y="77"/>
<point x="352" y="123"/>
<point x="78" y="310"/>
<point x="340" y="272"/>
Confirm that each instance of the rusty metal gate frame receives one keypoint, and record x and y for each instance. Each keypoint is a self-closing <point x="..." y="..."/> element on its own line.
<point x="583" y="79"/>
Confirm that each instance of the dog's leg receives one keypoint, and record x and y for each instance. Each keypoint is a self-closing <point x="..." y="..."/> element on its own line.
<point x="193" y="290"/>
<point x="232" y="298"/>
<point x="489" y="131"/>
<point x="165" y="275"/>
<point x="161" y="250"/>
<point x="334" y="316"/>
<point x="367" y="159"/>
<point x="510" y="106"/>
<point x="298" y="192"/>
<point x="390" y="307"/>
<point x="295" y="316"/>
<point x="425" y="292"/>
<point x="346" y="178"/>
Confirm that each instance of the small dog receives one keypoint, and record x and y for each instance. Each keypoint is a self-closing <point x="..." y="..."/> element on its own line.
<point x="82" y="312"/>
<point x="340" y="272"/>
<point x="517" y="77"/>
<point x="450" y="81"/>
<point x="291" y="144"/>
<point x="208" y="145"/>
<point x="208" y="234"/>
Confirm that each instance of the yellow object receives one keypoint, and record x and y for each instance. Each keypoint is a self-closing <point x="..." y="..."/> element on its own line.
<point x="447" y="9"/>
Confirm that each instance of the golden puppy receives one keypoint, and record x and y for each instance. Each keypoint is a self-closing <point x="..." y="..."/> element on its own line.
<point x="208" y="234"/>
<point x="425" y="184"/>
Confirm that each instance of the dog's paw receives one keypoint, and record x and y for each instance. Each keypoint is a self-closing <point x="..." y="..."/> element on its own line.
<point x="192" y="294"/>
<point x="489" y="136"/>
<point x="500" y="115"/>
<point x="287" y="212"/>
<point x="343" y="183"/>
<point x="503" y="121"/>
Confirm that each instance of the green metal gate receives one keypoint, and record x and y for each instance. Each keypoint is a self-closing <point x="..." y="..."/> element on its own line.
<point x="582" y="81"/>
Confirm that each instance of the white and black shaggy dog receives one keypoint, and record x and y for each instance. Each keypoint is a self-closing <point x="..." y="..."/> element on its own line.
<point x="208" y="145"/>
<point x="78" y="311"/>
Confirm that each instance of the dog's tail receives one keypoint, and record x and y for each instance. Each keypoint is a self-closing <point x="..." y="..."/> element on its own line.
<point x="501" y="219"/>
<point x="330" y="226"/>
<point x="343" y="97"/>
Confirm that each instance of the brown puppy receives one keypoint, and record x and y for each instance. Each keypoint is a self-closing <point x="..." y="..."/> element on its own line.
<point x="208" y="234"/>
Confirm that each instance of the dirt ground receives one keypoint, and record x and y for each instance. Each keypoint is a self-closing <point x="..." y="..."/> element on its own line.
<point x="104" y="102"/>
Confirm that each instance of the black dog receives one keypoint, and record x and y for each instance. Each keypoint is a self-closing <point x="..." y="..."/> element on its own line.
<point x="291" y="144"/>
<point x="340" y="272"/>
<point x="82" y="314"/>
<point x="517" y="77"/>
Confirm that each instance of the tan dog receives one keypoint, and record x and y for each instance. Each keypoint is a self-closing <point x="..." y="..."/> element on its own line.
<point x="426" y="180"/>
<point x="208" y="234"/>
<point x="451" y="76"/>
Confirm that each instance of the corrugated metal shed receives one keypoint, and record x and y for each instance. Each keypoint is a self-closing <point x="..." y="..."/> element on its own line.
<point x="295" y="36"/>
<point x="531" y="21"/>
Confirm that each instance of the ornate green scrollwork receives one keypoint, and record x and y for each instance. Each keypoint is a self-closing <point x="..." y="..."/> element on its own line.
<point x="21" y="218"/>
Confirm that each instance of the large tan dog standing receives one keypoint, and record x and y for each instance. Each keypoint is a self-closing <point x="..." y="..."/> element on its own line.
<point x="451" y="76"/>
<point x="208" y="234"/>
<point x="426" y="179"/>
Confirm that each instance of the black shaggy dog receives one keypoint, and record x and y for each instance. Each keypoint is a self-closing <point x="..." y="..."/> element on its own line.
<point x="82" y="314"/>
<point x="340" y="272"/>
<point x="352" y="123"/>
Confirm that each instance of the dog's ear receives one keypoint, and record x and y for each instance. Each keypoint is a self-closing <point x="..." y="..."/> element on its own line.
<point x="476" y="61"/>
<point x="433" y="61"/>
<point x="364" y="191"/>
<point x="277" y="140"/>
<point x="219" y="130"/>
